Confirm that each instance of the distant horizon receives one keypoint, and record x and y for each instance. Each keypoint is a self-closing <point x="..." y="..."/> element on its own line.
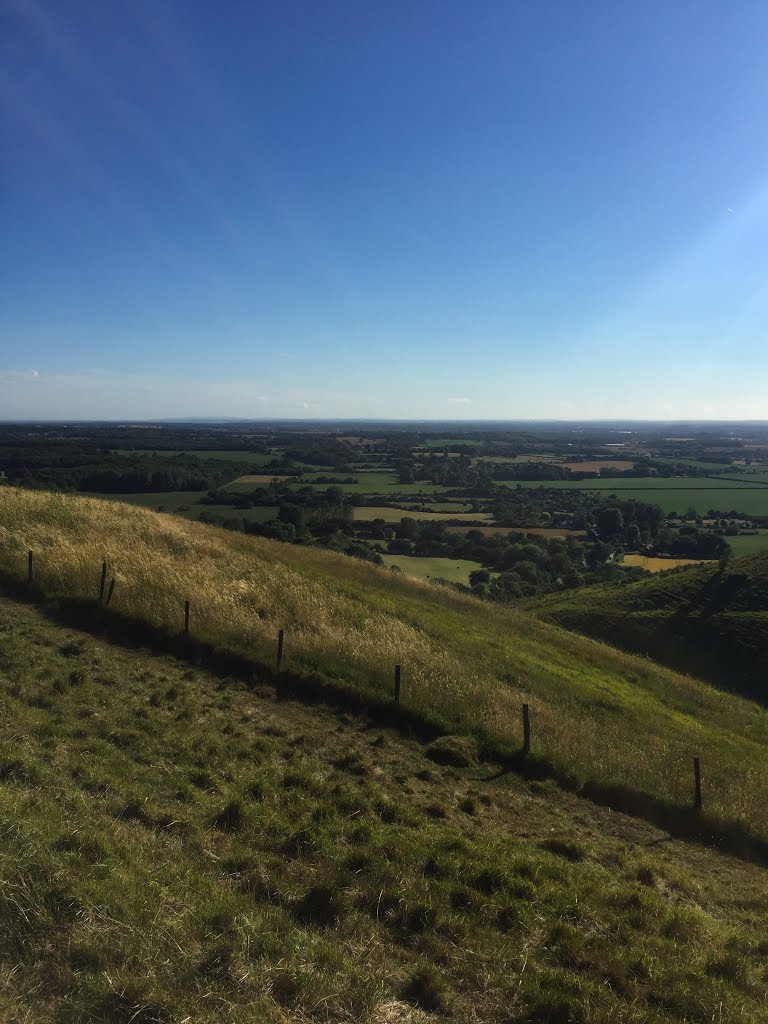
<point x="376" y="421"/>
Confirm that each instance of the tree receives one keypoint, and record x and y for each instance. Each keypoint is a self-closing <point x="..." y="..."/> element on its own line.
<point x="293" y="514"/>
<point x="479" y="577"/>
<point x="633" y="536"/>
<point x="610" y="522"/>
<point x="407" y="528"/>
<point x="527" y="571"/>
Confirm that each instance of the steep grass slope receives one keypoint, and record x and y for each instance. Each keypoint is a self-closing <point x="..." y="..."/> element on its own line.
<point x="710" y="622"/>
<point x="600" y="717"/>
<point x="178" y="846"/>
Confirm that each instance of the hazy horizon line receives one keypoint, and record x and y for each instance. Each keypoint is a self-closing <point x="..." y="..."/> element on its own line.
<point x="128" y="420"/>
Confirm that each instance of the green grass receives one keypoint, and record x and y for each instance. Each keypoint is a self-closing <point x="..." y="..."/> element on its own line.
<point x="241" y="486"/>
<point x="673" y="494"/>
<point x="394" y="515"/>
<point x="187" y="504"/>
<point x="371" y="482"/>
<point x="748" y="545"/>
<point x="605" y="721"/>
<point x="748" y="474"/>
<point x="698" y="618"/>
<point x="171" y="501"/>
<point x="257" y="514"/>
<point x="451" y="569"/>
<point x="179" y="847"/>
<point x="711" y="467"/>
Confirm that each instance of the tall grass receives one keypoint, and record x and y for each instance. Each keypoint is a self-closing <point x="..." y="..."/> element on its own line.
<point x="598" y="714"/>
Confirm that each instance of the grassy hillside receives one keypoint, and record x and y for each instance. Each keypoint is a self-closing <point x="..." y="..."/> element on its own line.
<point x="615" y="725"/>
<point x="711" y="623"/>
<point x="179" y="846"/>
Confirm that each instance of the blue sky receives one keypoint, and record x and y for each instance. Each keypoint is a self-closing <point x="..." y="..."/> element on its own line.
<point x="402" y="209"/>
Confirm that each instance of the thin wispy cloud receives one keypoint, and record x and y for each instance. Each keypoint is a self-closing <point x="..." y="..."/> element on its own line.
<point x="17" y="376"/>
<point x="460" y="401"/>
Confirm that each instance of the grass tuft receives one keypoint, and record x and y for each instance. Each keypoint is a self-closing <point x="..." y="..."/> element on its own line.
<point x="322" y="906"/>
<point x="428" y="990"/>
<point x="230" y="818"/>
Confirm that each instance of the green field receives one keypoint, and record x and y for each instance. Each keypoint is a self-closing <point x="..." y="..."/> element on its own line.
<point x="711" y="467"/>
<point x="371" y="483"/>
<point x="672" y="494"/>
<point x="186" y="503"/>
<point x="257" y="514"/>
<point x="240" y="485"/>
<point x="451" y="569"/>
<point x="366" y="513"/>
<point x="748" y="545"/>
<point x="169" y="501"/>
<point x="374" y="478"/>
<point x="501" y="460"/>
<point x="748" y="474"/>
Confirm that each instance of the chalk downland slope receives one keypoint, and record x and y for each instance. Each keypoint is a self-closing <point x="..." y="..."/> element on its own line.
<point x="616" y="725"/>
<point x="182" y="846"/>
<point x="708" y="621"/>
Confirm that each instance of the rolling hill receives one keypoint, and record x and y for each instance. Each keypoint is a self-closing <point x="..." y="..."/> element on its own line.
<point x="615" y="726"/>
<point x="699" y="619"/>
<point x="178" y="845"/>
<point x="189" y="834"/>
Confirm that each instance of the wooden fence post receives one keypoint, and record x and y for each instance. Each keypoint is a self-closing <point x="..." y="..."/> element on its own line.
<point x="30" y="567"/>
<point x="111" y="590"/>
<point x="103" y="582"/>
<point x="186" y="618"/>
<point x="526" y="730"/>
<point x="280" y="639"/>
<point x="397" y="684"/>
<point x="697" y="783"/>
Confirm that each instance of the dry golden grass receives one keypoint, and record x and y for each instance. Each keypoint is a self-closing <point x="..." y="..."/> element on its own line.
<point x="660" y="564"/>
<point x="598" y="713"/>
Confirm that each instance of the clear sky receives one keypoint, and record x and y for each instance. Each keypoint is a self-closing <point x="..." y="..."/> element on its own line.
<point x="410" y="208"/>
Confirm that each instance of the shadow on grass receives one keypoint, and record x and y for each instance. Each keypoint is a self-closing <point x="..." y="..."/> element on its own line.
<point x="687" y="644"/>
<point x="681" y="822"/>
<point x="309" y="688"/>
